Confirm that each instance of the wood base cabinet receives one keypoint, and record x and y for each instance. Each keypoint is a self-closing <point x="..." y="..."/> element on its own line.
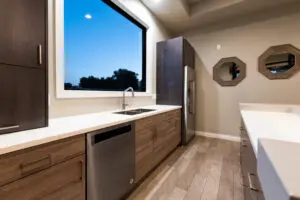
<point x="251" y="184"/>
<point x="155" y="138"/>
<point x="54" y="171"/>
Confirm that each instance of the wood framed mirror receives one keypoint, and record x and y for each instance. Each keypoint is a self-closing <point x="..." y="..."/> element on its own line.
<point x="229" y="71"/>
<point x="279" y="62"/>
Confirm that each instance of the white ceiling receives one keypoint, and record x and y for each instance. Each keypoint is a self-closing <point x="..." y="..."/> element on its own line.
<point x="183" y="15"/>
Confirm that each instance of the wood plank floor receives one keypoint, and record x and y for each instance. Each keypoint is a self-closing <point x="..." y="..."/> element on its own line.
<point x="208" y="169"/>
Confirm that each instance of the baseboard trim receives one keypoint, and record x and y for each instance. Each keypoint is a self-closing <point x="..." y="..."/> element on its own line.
<point x="218" y="136"/>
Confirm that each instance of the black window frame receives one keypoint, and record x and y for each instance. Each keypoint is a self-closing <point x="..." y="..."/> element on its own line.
<point x="144" y="40"/>
<point x="122" y="12"/>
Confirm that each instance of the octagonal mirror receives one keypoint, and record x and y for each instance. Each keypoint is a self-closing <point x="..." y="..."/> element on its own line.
<point x="279" y="62"/>
<point x="229" y="71"/>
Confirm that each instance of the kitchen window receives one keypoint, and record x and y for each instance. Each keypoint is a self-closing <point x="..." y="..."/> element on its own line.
<point x="102" y="51"/>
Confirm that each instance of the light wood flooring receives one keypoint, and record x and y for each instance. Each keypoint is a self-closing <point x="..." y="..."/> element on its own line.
<point x="208" y="169"/>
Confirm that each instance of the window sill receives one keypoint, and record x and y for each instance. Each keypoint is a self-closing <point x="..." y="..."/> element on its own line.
<point x="67" y="94"/>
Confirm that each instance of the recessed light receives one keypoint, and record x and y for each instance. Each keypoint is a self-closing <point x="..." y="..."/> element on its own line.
<point x="88" y="16"/>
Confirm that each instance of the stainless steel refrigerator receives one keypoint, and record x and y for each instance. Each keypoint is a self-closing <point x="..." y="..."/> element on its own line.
<point x="176" y="81"/>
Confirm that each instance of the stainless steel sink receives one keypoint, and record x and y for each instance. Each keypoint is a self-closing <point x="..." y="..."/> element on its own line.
<point x="134" y="112"/>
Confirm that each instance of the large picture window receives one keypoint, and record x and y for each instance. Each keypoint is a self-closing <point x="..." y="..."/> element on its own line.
<point x="104" y="47"/>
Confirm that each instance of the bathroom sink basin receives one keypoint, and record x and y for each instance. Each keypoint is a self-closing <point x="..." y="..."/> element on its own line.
<point x="134" y="112"/>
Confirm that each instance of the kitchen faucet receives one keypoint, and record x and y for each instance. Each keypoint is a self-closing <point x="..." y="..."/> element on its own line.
<point x="123" y="100"/>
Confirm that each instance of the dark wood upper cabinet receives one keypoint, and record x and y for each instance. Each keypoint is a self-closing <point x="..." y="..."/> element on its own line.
<point x="23" y="98"/>
<point x="23" y="66"/>
<point x="169" y="74"/>
<point x="23" y="32"/>
<point x="172" y="56"/>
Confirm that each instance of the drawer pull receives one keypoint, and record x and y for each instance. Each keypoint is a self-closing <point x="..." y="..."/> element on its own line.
<point x="82" y="170"/>
<point x="35" y="166"/>
<point x="8" y="127"/>
<point x="251" y="186"/>
<point x="244" y="143"/>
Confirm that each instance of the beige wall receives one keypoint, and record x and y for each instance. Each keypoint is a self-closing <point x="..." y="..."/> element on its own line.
<point x="218" y="107"/>
<point x="67" y="107"/>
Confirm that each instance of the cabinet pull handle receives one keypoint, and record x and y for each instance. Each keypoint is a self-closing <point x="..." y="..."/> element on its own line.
<point x="244" y="143"/>
<point x="251" y="186"/>
<point x="40" y="54"/>
<point x="35" y="166"/>
<point x="131" y="181"/>
<point x="9" y="127"/>
<point x="82" y="170"/>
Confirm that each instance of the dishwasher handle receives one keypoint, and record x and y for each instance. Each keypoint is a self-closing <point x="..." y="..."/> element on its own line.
<point x="105" y="135"/>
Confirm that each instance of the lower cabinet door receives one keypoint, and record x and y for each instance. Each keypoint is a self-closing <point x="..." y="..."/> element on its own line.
<point x="167" y="137"/>
<point x="65" y="181"/>
<point x="143" y="150"/>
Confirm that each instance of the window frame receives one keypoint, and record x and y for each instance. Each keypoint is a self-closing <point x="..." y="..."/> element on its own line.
<point x="60" y="56"/>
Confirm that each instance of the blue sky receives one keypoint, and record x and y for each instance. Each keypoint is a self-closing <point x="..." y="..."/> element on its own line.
<point x="100" y="45"/>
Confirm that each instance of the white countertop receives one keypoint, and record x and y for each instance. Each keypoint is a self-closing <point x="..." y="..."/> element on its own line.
<point x="280" y="122"/>
<point x="278" y="169"/>
<point x="65" y="127"/>
<point x="274" y="131"/>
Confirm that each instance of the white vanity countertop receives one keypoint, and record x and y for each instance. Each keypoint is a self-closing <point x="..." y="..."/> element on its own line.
<point x="277" y="122"/>
<point x="65" y="127"/>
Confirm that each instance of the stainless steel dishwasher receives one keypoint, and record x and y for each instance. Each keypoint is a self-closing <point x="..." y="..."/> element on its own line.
<point x="110" y="162"/>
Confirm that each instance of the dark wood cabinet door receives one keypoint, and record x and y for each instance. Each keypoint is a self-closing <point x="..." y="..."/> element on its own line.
<point x="169" y="74"/>
<point x="8" y="99"/>
<point x="188" y="54"/>
<point x="23" y="98"/>
<point x="23" y="32"/>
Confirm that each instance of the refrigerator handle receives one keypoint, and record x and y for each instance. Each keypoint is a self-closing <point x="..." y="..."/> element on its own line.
<point x="186" y="91"/>
<point x="192" y="98"/>
<point x="189" y="90"/>
<point x="186" y="99"/>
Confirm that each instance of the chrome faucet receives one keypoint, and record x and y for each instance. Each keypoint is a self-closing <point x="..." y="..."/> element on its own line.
<point x="123" y="100"/>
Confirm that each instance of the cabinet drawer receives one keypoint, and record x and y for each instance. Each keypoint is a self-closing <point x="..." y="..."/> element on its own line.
<point x="174" y="114"/>
<point x="24" y="163"/>
<point x="141" y="124"/>
<point x="65" y="181"/>
<point x="168" y="116"/>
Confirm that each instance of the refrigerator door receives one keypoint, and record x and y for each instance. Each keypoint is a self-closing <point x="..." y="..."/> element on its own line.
<point x="189" y="107"/>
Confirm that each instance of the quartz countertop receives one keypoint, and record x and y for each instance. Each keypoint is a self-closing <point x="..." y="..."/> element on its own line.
<point x="277" y="122"/>
<point x="279" y="165"/>
<point x="274" y="131"/>
<point x="60" y="128"/>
